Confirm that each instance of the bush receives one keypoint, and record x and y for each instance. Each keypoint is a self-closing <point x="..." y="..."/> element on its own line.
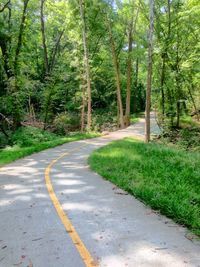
<point x="186" y="138"/>
<point x="29" y="136"/>
<point x="66" y="122"/>
<point x="3" y="140"/>
<point x="104" y="120"/>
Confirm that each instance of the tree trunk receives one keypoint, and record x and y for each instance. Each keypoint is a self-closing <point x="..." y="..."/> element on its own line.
<point x="162" y="87"/>
<point x="164" y="59"/>
<point x="83" y="108"/>
<point x="21" y="30"/>
<point x="5" y="6"/>
<point x="193" y="101"/>
<point x="135" y="86"/>
<point x="149" y="76"/>
<point x="178" y="110"/>
<point x="129" y="68"/>
<point x="178" y="88"/>
<point x="117" y="76"/>
<point x="15" y="97"/>
<point x="54" y="52"/>
<point x="87" y="65"/>
<point x="46" y="61"/>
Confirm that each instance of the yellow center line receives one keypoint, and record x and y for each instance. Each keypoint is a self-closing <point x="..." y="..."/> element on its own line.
<point x="84" y="253"/>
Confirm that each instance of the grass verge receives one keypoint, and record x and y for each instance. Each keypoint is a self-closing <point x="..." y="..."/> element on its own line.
<point x="136" y="117"/>
<point x="164" y="178"/>
<point x="17" y="151"/>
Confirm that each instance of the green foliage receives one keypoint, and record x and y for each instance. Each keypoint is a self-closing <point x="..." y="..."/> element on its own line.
<point x="3" y="140"/>
<point x="31" y="91"/>
<point x="30" y="94"/>
<point x="166" y="179"/>
<point x="176" y="75"/>
<point x="15" y="152"/>
<point x="66" y="122"/>
<point x="104" y="120"/>
<point x="29" y="136"/>
<point x="186" y="138"/>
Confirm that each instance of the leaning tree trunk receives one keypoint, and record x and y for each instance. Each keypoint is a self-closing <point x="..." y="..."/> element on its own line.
<point x="87" y="65"/>
<point x="149" y="76"/>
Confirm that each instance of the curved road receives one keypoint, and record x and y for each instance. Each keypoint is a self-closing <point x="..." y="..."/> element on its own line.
<point x="94" y="222"/>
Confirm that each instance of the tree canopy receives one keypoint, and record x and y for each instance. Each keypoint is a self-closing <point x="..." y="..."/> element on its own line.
<point x="84" y="63"/>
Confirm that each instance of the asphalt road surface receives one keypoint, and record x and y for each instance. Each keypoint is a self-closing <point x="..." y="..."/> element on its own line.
<point x="55" y="212"/>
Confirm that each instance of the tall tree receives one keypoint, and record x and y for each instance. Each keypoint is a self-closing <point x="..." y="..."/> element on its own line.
<point x="117" y="75"/>
<point x="87" y="65"/>
<point x="149" y="74"/>
<point x="45" y="52"/>
<point x="131" y="31"/>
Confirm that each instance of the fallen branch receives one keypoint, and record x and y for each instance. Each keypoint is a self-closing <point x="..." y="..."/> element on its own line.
<point x="5" y="119"/>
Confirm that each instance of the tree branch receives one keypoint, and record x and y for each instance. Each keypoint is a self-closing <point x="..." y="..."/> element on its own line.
<point x="5" y="6"/>
<point x="54" y="52"/>
<point x="19" y="42"/>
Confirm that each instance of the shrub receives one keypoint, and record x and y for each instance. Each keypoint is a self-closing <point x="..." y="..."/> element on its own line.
<point x="29" y="136"/>
<point x="66" y="122"/>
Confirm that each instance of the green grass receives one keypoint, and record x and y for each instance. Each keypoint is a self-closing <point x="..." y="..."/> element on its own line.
<point x="28" y="140"/>
<point x="188" y="121"/>
<point x="136" y="117"/>
<point x="164" y="178"/>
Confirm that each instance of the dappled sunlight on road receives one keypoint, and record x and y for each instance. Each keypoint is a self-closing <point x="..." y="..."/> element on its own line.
<point x="76" y="190"/>
<point x="70" y="182"/>
<point x="117" y="229"/>
<point x="77" y="206"/>
<point x="21" y="170"/>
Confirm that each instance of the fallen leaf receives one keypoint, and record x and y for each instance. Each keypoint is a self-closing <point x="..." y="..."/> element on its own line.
<point x="160" y="248"/>
<point x="121" y="193"/>
<point x="36" y="239"/>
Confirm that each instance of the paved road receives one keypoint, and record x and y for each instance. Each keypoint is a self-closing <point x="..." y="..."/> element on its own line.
<point x="116" y="229"/>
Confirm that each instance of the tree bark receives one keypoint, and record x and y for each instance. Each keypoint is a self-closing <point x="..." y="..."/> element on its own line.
<point x="135" y="86"/>
<point x="5" y="6"/>
<point x="164" y="59"/>
<point x="21" y="30"/>
<point x="86" y="64"/>
<point x="129" y="68"/>
<point x="193" y="101"/>
<point x="5" y="57"/>
<point x="162" y="79"/>
<point x="149" y="75"/>
<point x="16" y="100"/>
<point x="117" y="76"/>
<point x="83" y="108"/>
<point x="54" y="52"/>
<point x="46" y="60"/>
<point x="178" y="88"/>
